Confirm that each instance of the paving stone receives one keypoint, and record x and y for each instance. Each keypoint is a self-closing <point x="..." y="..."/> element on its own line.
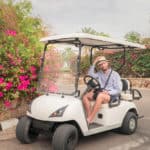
<point x="8" y="133"/>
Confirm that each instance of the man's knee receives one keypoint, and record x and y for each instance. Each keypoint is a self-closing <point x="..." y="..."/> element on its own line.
<point x="87" y="97"/>
<point x="84" y="97"/>
<point x="102" y="97"/>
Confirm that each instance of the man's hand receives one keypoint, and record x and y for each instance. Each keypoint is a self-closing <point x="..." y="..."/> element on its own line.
<point x="96" y="60"/>
<point x="106" y="92"/>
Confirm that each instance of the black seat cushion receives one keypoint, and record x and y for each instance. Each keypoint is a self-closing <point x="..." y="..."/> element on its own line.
<point x="125" y="85"/>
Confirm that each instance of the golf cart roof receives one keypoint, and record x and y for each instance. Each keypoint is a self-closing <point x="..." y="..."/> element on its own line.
<point x="91" y="40"/>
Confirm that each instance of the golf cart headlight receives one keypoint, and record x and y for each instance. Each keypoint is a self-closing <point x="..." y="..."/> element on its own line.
<point x="59" y="112"/>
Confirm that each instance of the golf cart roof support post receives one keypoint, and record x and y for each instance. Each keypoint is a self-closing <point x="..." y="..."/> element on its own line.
<point x="91" y="53"/>
<point x="124" y="58"/>
<point x="43" y="57"/>
<point x="78" y="68"/>
<point x="42" y="62"/>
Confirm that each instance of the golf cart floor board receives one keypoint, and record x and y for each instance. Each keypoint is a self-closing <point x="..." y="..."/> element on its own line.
<point x="94" y="125"/>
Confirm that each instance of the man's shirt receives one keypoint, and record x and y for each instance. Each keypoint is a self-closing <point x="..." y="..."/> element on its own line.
<point x="114" y="85"/>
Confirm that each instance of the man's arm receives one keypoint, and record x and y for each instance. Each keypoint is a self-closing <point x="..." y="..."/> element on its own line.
<point x="91" y="72"/>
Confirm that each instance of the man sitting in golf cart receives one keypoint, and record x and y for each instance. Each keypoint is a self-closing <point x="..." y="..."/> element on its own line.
<point x="111" y="86"/>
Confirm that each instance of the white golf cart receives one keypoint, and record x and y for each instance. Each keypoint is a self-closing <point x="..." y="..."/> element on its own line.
<point x="61" y="113"/>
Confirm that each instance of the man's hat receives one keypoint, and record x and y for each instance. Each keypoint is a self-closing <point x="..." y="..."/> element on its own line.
<point x="102" y="59"/>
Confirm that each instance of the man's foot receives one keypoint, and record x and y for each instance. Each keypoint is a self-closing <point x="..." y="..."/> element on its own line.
<point x="89" y="120"/>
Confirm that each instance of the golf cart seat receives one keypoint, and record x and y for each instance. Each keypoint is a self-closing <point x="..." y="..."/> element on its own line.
<point x="126" y="84"/>
<point x="114" y="102"/>
<point x="128" y="93"/>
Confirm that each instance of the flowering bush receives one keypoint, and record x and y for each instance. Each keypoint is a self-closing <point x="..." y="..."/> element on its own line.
<point x="18" y="76"/>
<point x="137" y="63"/>
<point x="20" y="52"/>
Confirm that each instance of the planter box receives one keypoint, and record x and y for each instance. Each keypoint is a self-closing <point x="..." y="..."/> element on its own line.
<point x="15" y="112"/>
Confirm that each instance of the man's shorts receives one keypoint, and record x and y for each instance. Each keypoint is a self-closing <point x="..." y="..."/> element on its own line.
<point x="97" y="91"/>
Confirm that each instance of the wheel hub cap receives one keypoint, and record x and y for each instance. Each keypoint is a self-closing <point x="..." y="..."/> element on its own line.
<point x="132" y="124"/>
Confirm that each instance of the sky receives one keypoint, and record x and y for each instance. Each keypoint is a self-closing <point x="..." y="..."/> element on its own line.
<point x="113" y="17"/>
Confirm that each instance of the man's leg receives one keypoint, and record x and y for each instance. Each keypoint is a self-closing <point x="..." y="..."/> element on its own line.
<point x="101" y="98"/>
<point x="86" y="102"/>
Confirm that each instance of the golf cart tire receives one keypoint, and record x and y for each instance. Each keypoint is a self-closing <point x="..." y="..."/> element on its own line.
<point x="24" y="133"/>
<point x="129" y="124"/>
<point x="65" y="137"/>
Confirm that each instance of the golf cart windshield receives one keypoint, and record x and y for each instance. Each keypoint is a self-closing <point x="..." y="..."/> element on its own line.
<point x="60" y="68"/>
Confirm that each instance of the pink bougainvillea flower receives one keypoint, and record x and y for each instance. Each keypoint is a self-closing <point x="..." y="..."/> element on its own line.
<point x="33" y="76"/>
<point x="7" y="103"/>
<point x="53" y="88"/>
<point x="13" y="63"/>
<point x="32" y="69"/>
<point x="10" y="32"/>
<point x="22" y="87"/>
<point x="1" y="67"/>
<point x="33" y="89"/>
<point x="9" y="85"/>
<point x="23" y="77"/>
<point x="24" y="82"/>
<point x="1" y="80"/>
<point x="1" y="94"/>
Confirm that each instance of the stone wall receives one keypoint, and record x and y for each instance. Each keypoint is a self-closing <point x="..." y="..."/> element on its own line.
<point x="15" y="112"/>
<point x="140" y="82"/>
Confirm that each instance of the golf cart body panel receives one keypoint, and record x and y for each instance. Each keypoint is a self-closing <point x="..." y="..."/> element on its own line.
<point x="114" y="115"/>
<point x="73" y="111"/>
<point x="106" y="118"/>
<point x="110" y="118"/>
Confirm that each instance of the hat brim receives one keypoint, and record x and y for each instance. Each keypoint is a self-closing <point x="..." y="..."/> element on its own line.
<point x="99" y="62"/>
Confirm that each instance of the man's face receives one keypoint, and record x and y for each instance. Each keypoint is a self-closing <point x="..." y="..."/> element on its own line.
<point x="104" y="65"/>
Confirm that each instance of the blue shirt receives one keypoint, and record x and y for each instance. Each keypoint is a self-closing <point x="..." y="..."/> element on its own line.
<point x="114" y="85"/>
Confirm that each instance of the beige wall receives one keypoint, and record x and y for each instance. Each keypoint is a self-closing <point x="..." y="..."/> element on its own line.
<point x="140" y="82"/>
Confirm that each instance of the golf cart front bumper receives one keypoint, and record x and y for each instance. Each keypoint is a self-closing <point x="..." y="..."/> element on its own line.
<point x="42" y="125"/>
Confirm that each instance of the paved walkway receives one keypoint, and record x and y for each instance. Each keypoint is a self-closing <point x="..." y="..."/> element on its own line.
<point x="8" y="133"/>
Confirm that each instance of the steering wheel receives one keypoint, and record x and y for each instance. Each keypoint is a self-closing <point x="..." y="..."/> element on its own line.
<point x="91" y="82"/>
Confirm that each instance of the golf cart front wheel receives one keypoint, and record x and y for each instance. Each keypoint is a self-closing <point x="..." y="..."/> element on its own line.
<point x="24" y="133"/>
<point x="65" y="137"/>
<point x="129" y="124"/>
